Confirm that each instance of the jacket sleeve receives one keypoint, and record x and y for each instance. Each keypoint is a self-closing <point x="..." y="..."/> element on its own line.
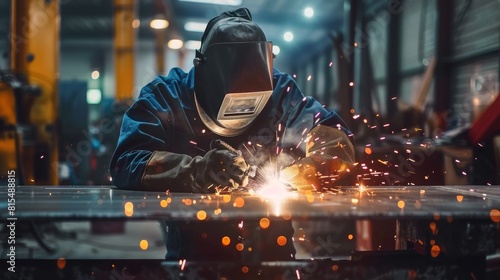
<point x="142" y="160"/>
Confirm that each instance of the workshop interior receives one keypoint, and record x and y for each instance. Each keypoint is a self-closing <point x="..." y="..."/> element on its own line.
<point x="417" y="82"/>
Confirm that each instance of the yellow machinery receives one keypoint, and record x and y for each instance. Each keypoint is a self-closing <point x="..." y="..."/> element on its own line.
<point x="8" y="137"/>
<point x="35" y="64"/>
<point x="124" y="15"/>
<point x="29" y="112"/>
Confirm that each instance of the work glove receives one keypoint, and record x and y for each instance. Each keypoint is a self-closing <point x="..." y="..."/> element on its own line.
<point x="329" y="156"/>
<point x="221" y="168"/>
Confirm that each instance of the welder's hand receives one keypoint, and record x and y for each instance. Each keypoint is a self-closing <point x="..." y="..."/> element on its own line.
<point x="313" y="172"/>
<point x="221" y="169"/>
<point x="329" y="155"/>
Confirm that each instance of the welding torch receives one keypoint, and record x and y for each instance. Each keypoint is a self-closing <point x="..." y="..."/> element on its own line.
<point x="252" y="170"/>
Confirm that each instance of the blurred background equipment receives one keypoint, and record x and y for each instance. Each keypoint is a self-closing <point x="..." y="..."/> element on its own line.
<point x="34" y="54"/>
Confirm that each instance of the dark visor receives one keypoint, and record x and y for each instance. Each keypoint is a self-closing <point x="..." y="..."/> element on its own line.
<point x="241" y="64"/>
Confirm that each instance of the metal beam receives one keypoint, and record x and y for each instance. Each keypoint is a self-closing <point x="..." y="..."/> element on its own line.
<point x="345" y="50"/>
<point x="442" y="83"/>
<point x="124" y="40"/>
<point x="393" y="78"/>
<point x="160" y="51"/>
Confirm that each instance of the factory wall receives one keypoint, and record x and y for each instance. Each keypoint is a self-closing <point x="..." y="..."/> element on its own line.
<point x="80" y="58"/>
<point x="394" y="51"/>
<point x="396" y="46"/>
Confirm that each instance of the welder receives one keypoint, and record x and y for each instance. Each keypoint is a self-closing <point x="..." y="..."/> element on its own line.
<point x="201" y="131"/>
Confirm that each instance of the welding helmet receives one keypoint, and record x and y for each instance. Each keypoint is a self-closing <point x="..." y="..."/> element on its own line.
<point x="233" y="73"/>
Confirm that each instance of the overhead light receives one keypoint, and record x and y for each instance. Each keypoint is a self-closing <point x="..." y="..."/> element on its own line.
<point x="192" y="45"/>
<point x="195" y="26"/>
<point x="94" y="96"/>
<point x="288" y="36"/>
<point x="308" y="12"/>
<point x="158" y="23"/>
<point x="175" y="44"/>
<point x="276" y="50"/>
<point x="95" y="75"/>
<point x="136" y="23"/>
<point x="216" y="2"/>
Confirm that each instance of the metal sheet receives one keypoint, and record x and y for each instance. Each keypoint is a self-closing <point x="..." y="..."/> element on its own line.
<point x="466" y="234"/>
<point x="68" y="202"/>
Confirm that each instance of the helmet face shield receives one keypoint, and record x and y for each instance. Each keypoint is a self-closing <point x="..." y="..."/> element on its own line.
<point x="233" y="83"/>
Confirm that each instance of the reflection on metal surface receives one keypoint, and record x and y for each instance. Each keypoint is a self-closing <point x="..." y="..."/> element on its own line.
<point x="80" y="202"/>
<point x="434" y="227"/>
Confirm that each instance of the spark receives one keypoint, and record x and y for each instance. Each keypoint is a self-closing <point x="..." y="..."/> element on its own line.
<point x="383" y="162"/>
<point x="298" y="144"/>
<point x="248" y="149"/>
<point x="182" y="263"/>
<point x="362" y="189"/>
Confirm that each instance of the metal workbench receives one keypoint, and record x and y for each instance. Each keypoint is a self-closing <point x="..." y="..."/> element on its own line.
<point x="447" y="232"/>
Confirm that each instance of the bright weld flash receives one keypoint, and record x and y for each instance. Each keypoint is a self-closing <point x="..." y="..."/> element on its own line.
<point x="272" y="189"/>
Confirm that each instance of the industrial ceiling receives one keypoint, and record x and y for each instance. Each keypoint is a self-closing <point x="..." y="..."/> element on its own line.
<point x="93" y="19"/>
